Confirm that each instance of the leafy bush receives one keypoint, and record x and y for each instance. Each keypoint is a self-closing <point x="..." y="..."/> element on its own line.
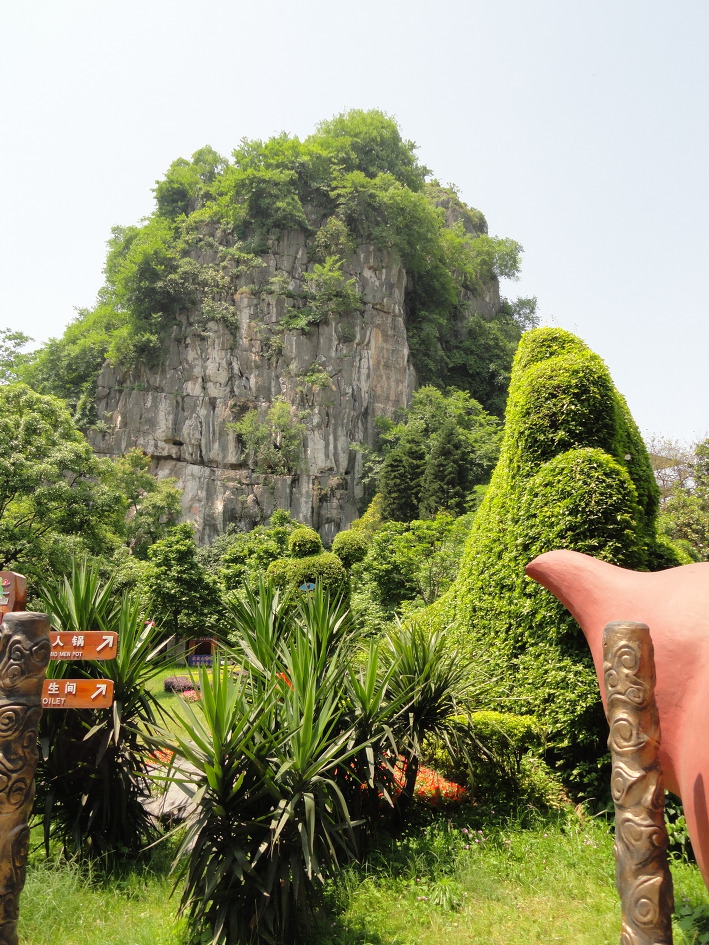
<point x="350" y="547"/>
<point x="435" y="683"/>
<point x="504" y="737"/>
<point x="296" y="573"/>
<point x="304" y="542"/>
<point x="180" y="595"/>
<point x="274" y="444"/>
<point x="573" y="473"/>
<point x="273" y="749"/>
<point x="295" y="756"/>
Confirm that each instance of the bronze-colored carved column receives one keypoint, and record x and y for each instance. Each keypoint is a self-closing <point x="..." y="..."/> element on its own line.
<point x="24" y="654"/>
<point x="642" y="875"/>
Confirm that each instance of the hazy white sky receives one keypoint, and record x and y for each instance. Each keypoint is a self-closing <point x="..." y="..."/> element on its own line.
<point x="579" y="128"/>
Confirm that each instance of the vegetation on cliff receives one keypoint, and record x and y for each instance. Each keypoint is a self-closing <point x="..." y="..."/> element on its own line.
<point x="355" y="180"/>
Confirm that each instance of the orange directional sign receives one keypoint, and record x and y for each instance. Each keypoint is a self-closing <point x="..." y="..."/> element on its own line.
<point x="91" y="645"/>
<point x="77" y="693"/>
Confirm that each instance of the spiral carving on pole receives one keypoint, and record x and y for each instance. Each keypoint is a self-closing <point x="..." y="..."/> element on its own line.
<point x="642" y="874"/>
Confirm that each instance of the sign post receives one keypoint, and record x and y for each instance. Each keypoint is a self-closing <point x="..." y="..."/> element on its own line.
<point x="26" y="647"/>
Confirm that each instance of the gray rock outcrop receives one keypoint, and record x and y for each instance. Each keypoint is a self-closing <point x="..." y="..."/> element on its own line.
<point x="339" y="375"/>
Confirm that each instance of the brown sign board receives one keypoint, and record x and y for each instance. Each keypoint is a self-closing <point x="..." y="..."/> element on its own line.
<point x="90" y="645"/>
<point x="77" y="693"/>
<point x="13" y="592"/>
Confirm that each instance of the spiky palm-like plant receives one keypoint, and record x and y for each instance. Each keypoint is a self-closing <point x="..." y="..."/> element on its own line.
<point x="92" y="777"/>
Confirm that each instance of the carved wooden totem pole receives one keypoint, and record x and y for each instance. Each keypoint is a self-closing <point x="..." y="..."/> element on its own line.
<point x="24" y="654"/>
<point x="642" y="874"/>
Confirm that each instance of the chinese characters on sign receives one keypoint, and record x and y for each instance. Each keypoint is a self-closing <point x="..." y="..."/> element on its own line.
<point x="77" y="693"/>
<point x="92" y="645"/>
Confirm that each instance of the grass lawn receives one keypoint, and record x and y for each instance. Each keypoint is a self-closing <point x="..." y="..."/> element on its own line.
<point x="449" y="878"/>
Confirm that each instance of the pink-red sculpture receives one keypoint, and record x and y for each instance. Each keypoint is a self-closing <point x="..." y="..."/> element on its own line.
<point x="675" y="606"/>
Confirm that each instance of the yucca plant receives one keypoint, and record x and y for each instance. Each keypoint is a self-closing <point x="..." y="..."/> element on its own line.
<point x="80" y="600"/>
<point x="278" y="750"/>
<point x="436" y="686"/>
<point x="260" y="618"/>
<point x="92" y="778"/>
<point x="374" y="710"/>
<point x="270" y="822"/>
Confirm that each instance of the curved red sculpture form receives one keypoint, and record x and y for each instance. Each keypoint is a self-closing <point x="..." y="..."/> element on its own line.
<point x="675" y="605"/>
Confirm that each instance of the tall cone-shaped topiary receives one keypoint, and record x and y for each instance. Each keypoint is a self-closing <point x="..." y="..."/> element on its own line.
<point x="573" y="473"/>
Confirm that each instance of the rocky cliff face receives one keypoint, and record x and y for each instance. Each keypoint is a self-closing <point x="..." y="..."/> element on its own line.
<point x="339" y="375"/>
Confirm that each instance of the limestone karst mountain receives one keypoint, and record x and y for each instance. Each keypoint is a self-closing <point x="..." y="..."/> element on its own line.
<point x="253" y="329"/>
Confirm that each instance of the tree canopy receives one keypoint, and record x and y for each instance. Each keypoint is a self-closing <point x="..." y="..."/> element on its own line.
<point x="54" y="497"/>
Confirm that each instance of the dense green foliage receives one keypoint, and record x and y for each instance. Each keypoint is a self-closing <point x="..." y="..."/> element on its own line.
<point x="350" y="547"/>
<point x="433" y="457"/>
<point x="180" y="594"/>
<point x="274" y="443"/>
<point x="573" y="473"/>
<point x="408" y="564"/>
<point x="684" y="510"/>
<point x="11" y="357"/>
<point x="153" y="506"/>
<point x="303" y="573"/>
<point x="355" y="180"/>
<point x="303" y="542"/>
<point x="55" y="499"/>
<point x="295" y="758"/>
<point x="58" y="500"/>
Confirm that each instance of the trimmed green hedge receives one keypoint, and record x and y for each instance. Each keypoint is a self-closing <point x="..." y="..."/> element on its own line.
<point x="304" y="542"/>
<point x="350" y="547"/>
<point x="326" y="567"/>
<point x="504" y="737"/>
<point x="573" y="473"/>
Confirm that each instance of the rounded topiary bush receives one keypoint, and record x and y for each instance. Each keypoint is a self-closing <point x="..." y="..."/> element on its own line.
<point x="299" y="573"/>
<point x="304" y="542"/>
<point x="350" y="547"/>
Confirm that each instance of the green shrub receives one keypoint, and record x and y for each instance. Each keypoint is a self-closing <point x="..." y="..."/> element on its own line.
<point x="350" y="547"/>
<point x="573" y="473"/>
<point x="504" y="738"/>
<point x="298" y="573"/>
<point x="304" y="542"/>
<point x="293" y="759"/>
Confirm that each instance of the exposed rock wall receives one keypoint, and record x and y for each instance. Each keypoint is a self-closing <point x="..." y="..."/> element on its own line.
<point x="212" y="372"/>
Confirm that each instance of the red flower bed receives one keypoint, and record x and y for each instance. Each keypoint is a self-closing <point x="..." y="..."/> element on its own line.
<point x="432" y="788"/>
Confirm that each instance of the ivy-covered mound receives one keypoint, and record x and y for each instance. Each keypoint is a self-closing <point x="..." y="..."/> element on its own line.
<point x="354" y="181"/>
<point x="573" y="473"/>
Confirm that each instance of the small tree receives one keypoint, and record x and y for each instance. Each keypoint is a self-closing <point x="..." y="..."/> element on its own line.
<point x="53" y="491"/>
<point x="153" y="504"/>
<point x="180" y="594"/>
<point x="402" y="474"/>
<point x="446" y="481"/>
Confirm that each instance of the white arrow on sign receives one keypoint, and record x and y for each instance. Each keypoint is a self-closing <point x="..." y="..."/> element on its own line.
<point x="107" y="641"/>
<point x="100" y="690"/>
